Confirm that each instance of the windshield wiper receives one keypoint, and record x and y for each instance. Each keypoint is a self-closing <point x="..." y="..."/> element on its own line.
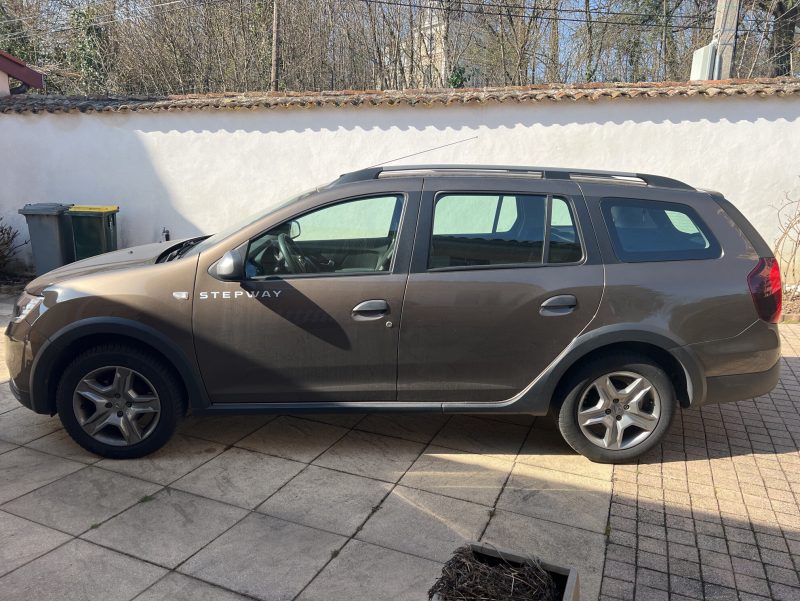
<point x="181" y="250"/>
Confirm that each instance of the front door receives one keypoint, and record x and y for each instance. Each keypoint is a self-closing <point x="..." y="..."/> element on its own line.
<point x="502" y="279"/>
<point x="316" y="319"/>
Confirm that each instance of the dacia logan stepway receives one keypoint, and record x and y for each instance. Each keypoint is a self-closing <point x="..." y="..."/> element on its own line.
<point x="608" y="300"/>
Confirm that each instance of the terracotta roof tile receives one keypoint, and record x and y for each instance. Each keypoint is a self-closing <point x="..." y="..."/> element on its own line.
<point x="34" y="103"/>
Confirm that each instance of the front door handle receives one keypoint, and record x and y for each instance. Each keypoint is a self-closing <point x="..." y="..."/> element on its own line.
<point x="558" y="305"/>
<point x="369" y="310"/>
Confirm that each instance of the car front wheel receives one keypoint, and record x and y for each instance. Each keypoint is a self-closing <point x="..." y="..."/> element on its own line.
<point x="617" y="408"/>
<point x="119" y="402"/>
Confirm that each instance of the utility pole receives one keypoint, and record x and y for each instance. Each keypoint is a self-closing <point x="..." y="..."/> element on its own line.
<point x="725" y="26"/>
<point x="274" y="71"/>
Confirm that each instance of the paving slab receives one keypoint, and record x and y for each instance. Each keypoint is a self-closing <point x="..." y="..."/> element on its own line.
<point x="24" y="541"/>
<point x="7" y="399"/>
<point x="81" y="500"/>
<point x="557" y="496"/>
<point x="371" y="455"/>
<point x="224" y="429"/>
<point x="554" y="543"/>
<point x="483" y="436"/>
<point x="180" y="456"/>
<point x="366" y="572"/>
<point x="82" y="571"/>
<point x="177" y="587"/>
<point x="240" y="477"/>
<point x="22" y="425"/>
<point x="327" y="499"/>
<point x="293" y="438"/>
<point x="265" y="557"/>
<point x="468" y="476"/>
<point x="24" y="470"/>
<point x="7" y="446"/>
<point x="424" y="524"/>
<point x="344" y="420"/>
<point x="167" y="528"/>
<point x="545" y="447"/>
<point x="60" y="443"/>
<point x="415" y="427"/>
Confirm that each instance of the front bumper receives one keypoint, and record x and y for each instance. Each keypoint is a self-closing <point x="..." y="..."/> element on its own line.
<point x="23" y="397"/>
<point x="18" y="360"/>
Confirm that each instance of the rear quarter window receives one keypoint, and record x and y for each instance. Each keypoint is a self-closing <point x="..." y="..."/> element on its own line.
<point x="646" y="230"/>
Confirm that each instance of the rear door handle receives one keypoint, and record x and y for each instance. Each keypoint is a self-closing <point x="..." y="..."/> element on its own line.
<point x="558" y="305"/>
<point x="369" y="310"/>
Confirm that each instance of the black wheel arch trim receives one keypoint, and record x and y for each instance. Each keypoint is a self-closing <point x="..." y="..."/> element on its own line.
<point x="624" y="334"/>
<point x="537" y="397"/>
<point x="50" y="354"/>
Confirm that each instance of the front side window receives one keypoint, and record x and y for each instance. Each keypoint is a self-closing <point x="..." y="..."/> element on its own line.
<point x="348" y="237"/>
<point x="484" y="230"/>
<point x="644" y="230"/>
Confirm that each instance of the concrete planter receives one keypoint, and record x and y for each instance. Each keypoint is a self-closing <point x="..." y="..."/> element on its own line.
<point x="566" y="578"/>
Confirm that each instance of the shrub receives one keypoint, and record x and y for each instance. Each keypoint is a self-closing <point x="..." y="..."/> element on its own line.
<point x="8" y="244"/>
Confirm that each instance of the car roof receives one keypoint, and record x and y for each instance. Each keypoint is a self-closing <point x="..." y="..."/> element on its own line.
<point x="598" y="176"/>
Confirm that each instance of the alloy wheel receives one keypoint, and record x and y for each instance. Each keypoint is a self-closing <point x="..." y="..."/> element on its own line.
<point x="619" y="410"/>
<point x="116" y="405"/>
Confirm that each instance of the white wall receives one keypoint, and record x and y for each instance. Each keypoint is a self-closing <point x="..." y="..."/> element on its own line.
<point x="197" y="171"/>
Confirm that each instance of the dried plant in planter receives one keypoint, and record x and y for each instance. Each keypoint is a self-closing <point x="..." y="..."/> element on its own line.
<point x="787" y="250"/>
<point x="467" y="577"/>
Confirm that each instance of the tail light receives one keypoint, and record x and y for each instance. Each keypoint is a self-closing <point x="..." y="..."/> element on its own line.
<point x="765" y="288"/>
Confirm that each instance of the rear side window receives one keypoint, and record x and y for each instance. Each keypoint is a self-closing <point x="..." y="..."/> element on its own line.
<point x="643" y="230"/>
<point x="484" y="230"/>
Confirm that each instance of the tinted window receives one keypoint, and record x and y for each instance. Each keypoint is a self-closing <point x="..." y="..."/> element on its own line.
<point x="501" y="229"/>
<point x="352" y="236"/>
<point x="657" y="231"/>
<point x="565" y="246"/>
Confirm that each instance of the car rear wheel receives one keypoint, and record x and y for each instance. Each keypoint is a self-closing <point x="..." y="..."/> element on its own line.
<point x="617" y="408"/>
<point x="119" y="402"/>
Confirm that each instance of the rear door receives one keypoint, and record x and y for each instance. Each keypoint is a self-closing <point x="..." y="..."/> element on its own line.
<point x="505" y="273"/>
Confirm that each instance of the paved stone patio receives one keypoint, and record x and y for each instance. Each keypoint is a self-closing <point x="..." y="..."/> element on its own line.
<point x="715" y="512"/>
<point x="368" y="507"/>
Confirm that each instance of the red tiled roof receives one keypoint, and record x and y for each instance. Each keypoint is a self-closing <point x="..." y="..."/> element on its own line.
<point x="33" y="103"/>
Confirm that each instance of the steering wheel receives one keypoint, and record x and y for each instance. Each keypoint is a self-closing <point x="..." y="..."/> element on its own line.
<point x="296" y="261"/>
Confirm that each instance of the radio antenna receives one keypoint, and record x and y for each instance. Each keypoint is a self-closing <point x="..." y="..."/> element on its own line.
<point x="423" y="152"/>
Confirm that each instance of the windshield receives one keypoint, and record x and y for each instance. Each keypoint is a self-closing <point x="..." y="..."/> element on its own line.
<point x="229" y="231"/>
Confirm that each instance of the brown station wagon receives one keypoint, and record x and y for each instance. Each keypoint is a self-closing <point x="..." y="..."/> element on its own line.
<point x="606" y="299"/>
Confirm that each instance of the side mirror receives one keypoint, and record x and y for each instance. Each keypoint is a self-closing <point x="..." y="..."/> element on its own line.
<point x="230" y="266"/>
<point x="294" y="229"/>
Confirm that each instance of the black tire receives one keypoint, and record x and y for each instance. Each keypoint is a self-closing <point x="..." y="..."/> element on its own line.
<point x="581" y="381"/>
<point x="156" y="373"/>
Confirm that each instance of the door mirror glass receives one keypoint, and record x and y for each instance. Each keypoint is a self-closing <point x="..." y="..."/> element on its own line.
<point x="230" y="266"/>
<point x="294" y="229"/>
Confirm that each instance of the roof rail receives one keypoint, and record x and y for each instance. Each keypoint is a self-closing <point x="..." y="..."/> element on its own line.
<point x="370" y="173"/>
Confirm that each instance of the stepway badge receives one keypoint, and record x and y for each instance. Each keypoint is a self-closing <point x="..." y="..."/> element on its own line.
<point x="236" y="294"/>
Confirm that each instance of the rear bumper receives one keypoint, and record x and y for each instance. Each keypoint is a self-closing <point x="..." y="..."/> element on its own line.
<point x="739" y="387"/>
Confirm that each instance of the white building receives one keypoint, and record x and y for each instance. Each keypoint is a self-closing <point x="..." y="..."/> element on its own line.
<point x="197" y="164"/>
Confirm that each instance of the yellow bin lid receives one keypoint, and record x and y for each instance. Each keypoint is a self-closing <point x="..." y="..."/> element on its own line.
<point x="94" y="209"/>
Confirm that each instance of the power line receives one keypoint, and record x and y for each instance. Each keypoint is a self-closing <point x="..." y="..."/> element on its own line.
<point x="477" y="10"/>
<point x="431" y="6"/>
<point x="110" y="18"/>
<point x="538" y="17"/>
